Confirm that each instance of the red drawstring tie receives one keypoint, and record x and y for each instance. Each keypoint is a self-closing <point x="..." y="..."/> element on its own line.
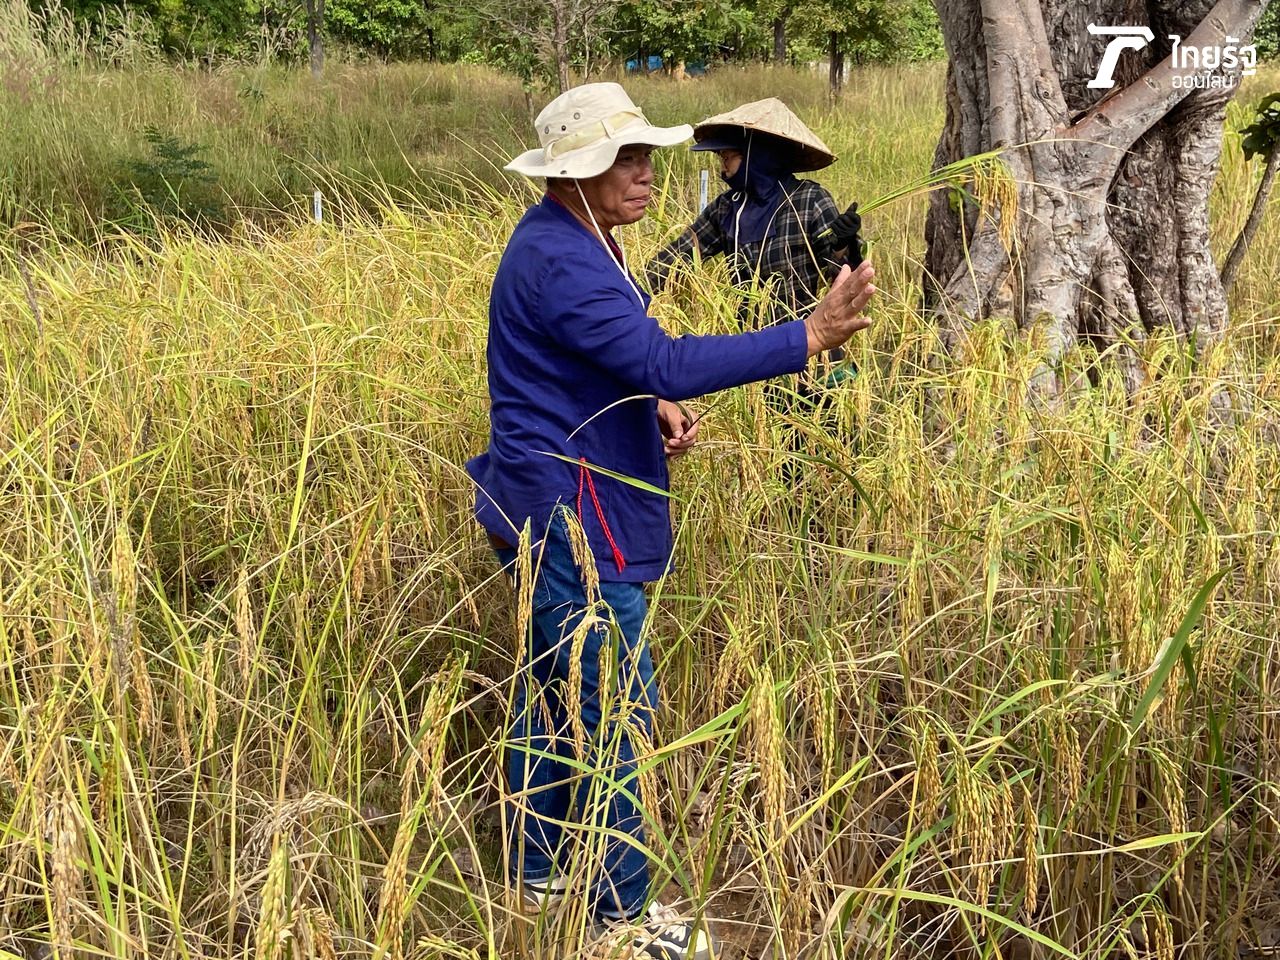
<point x="585" y="481"/>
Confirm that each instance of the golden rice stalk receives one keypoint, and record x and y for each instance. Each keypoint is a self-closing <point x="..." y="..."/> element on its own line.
<point x="143" y="691"/>
<point x="322" y="932"/>
<point x="284" y="818"/>
<point x="62" y="627"/>
<point x="432" y="947"/>
<point x="9" y="773"/>
<point x="650" y="791"/>
<point x="394" y="898"/>
<point x="825" y="720"/>
<point x="246" y="631"/>
<point x="729" y="671"/>
<point x="310" y="936"/>
<point x="796" y="921"/>
<point x="928" y="774"/>
<point x="269" y="942"/>
<point x="1174" y="799"/>
<point x="577" y="648"/>
<point x="767" y="747"/>
<point x="984" y="816"/>
<point x="1069" y="760"/>
<point x="362" y="559"/>
<point x="30" y="645"/>
<point x="435" y="729"/>
<point x="131" y="668"/>
<point x="1161" y="933"/>
<point x="209" y="691"/>
<point x="1030" y="857"/>
<point x="124" y="575"/>
<point x="524" y="586"/>
<point x="582" y="556"/>
<point x="67" y="880"/>
<point x="996" y="191"/>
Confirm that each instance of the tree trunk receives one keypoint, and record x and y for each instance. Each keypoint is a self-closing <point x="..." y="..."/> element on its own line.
<point x="1110" y="235"/>
<point x="1251" y="225"/>
<point x="315" y="36"/>
<point x="560" y="43"/>
<point x="780" y="39"/>
<point x="835" y="74"/>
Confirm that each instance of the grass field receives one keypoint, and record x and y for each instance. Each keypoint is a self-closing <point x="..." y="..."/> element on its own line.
<point x="1018" y="698"/>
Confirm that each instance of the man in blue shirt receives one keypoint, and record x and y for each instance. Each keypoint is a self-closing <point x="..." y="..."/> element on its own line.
<point x="584" y="388"/>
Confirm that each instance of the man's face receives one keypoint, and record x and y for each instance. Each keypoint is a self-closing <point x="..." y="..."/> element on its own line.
<point x="620" y="195"/>
<point x="730" y="160"/>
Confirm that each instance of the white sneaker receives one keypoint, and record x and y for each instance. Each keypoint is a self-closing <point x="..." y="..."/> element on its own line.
<point x="539" y="896"/>
<point x="663" y="933"/>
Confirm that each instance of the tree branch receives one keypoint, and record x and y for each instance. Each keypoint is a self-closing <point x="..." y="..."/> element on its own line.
<point x="1251" y="225"/>
<point x="1120" y="120"/>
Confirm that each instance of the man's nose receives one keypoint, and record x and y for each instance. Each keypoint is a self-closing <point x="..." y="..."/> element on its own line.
<point x="645" y="173"/>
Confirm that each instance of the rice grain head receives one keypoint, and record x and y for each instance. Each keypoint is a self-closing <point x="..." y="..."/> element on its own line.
<point x="394" y="898"/>
<point x="768" y="746"/>
<point x="246" y="631"/>
<point x="582" y="556"/>
<point x="1030" y="857"/>
<point x="1161" y="932"/>
<point x="68" y="881"/>
<point x="524" y="586"/>
<point x="269" y="939"/>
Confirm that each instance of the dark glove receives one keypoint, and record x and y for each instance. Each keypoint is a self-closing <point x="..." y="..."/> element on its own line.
<point x="844" y="231"/>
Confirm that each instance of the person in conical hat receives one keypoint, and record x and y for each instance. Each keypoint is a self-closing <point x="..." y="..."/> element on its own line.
<point x="780" y="233"/>
<point x="585" y="390"/>
<point x="772" y="226"/>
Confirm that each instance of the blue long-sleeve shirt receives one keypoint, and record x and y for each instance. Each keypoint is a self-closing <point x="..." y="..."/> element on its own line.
<point x="569" y="340"/>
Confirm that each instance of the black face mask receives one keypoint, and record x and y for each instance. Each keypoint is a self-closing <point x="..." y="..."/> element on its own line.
<point x="759" y="184"/>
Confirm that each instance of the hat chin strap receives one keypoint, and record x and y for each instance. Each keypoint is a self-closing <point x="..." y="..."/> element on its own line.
<point x="622" y="267"/>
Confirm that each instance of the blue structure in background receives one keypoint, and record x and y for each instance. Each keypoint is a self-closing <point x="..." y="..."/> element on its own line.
<point x="654" y="62"/>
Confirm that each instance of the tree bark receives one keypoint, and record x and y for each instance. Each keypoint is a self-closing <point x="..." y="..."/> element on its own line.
<point x="1254" y="221"/>
<point x="1110" y="234"/>
<point x="560" y="43"/>
<point x="315" y="36"/>
<point x="835" y="72"/>
<point x="780" y="38"/>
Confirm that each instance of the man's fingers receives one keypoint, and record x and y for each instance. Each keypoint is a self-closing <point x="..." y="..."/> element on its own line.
<point x="842" y="277"/>
<point x="862" y="299"/>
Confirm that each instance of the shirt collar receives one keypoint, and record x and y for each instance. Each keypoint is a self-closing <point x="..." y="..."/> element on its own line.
<point x="552" y="202"/>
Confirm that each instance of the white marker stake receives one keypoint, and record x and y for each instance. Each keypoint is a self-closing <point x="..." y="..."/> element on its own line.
<point x="702" y="190"/>
<point x="317" y="207"/>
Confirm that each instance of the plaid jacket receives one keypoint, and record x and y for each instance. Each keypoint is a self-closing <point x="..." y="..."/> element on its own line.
<point x="790" y="270"/>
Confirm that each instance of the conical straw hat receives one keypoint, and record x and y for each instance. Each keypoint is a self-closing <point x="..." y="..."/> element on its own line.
<point x="771" y="116"/>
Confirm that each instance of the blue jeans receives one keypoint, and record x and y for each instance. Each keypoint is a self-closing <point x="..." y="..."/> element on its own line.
<point x="552" y="797"/>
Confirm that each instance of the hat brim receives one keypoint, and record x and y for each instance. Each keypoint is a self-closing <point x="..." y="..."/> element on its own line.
<point x="593" y="160"/>
<point x="722" y="142"/>
<point x="807" y="156"/>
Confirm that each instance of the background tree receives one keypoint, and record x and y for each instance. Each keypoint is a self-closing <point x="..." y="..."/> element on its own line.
<point x="400" y="29"/>
<point x="1261" y="139"/>
<point x="539" y="38"/>
<point x="865" y="30"/>
<point x="682" y="31"/>
<point x="1111" y="233"/>
<point x="315" y="36"/>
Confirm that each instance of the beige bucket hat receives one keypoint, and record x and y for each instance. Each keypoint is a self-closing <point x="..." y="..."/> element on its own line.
<point x="582" y="130"/>
<point x="775" y="118"/>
